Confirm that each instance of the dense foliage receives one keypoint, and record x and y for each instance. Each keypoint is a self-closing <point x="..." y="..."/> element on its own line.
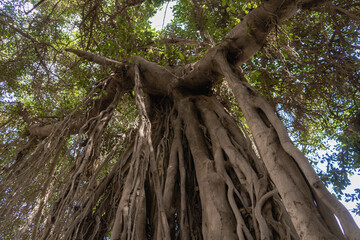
<point x="308" y="69"/>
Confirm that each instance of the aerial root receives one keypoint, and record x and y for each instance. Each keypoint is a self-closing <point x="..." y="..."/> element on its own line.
<point x="238" y="168"/>
<point x="252" y="104"/>
<point x="223" y="141"/>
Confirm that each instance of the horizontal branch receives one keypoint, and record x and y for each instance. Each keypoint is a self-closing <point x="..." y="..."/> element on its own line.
<point x="104" y="61"/>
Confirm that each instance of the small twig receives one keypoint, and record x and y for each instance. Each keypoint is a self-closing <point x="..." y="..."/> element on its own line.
<point x="162" y="27"/>
<point x="180" y="41"/>
<point x="200" y="24"/>
<point x="346" y="12"/>
<point x="22" y="33"/>
<point x="35" y="6"/>
<point x="6" y="122"/>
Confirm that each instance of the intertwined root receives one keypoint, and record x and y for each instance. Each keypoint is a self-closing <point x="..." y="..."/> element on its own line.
<point x="207" y="175"/>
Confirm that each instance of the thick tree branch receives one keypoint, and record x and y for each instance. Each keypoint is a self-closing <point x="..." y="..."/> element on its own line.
<point x="247" y="37"/>
<point x="104" y="61"/>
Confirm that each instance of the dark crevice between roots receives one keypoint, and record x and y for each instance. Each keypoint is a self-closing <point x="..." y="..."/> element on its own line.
<point x="194" y="208"/>
<point x="264" y="117"/>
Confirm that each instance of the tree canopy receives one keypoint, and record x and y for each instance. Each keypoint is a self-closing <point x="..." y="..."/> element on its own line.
<point x="62" y="104"/>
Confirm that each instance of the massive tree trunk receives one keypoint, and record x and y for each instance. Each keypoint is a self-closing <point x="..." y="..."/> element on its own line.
<point x="204" y="179"/>
<point x="191" y="171"/>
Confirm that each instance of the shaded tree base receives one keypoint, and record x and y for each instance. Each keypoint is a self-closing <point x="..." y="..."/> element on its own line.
<point x="190" y="174"/>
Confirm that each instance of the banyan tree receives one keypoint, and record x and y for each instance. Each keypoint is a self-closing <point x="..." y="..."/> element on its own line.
<point x="112" y="130"/>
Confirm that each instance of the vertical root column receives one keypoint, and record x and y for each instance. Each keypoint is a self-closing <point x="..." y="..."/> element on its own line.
<point x="130" y="220"/>
<point x="217" y="218"/>
<point x="228" y="142"/>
